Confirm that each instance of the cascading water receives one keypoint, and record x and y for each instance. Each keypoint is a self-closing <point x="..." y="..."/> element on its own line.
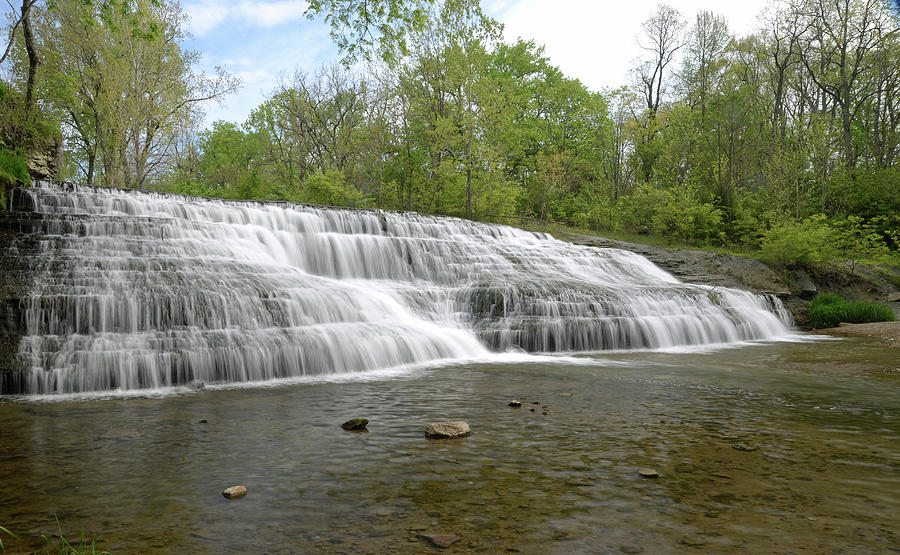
<point x="143" y="290"/>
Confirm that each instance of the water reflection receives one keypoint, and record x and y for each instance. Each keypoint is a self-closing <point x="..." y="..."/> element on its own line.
<point x="815" y="468"/>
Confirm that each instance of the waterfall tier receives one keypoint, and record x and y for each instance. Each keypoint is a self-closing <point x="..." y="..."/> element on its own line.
<point x="143" y="290"/>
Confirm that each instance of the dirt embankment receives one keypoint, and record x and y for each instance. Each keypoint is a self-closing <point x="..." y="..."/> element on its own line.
<point x="795" y="288"/>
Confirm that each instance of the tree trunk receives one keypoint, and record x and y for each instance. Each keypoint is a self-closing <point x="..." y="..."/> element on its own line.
<point x="33" y="59"/>
<point x="469" y="179"/>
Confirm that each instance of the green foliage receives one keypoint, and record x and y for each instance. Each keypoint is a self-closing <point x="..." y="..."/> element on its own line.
<point x="676" y="214"/>
<point x="791" y="244"/>
<point x="13" y="172"/>
<point x="20" y="131"/>
<point x="364" y="30"/>
<point x="332" y="189"/>
<point x="13" y="167"/>
<point x="829" y="310"/>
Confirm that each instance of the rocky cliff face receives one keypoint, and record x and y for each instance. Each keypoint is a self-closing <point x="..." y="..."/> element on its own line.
<point x="19" y="235"/>
<point x="795" y="288"/>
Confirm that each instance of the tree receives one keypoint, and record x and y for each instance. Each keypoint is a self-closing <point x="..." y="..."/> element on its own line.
<point x="836" y="50"/>
<point x="662" y="39"/>
<point x="703" y="61"/>
<point x="124" y="84"/>
<point x="365" y="29"/>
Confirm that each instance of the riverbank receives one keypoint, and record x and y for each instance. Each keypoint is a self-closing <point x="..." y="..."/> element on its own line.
<point x="795" y="288"/>
<point x="887" y="332"/>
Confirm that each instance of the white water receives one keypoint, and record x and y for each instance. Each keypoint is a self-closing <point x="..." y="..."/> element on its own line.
<point x="147" y="291"/>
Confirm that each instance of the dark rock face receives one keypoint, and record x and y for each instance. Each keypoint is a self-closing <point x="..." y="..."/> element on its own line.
<point x="19" y="235"/>
<point x="795" y="288"/>
<point x="696" y="266"/>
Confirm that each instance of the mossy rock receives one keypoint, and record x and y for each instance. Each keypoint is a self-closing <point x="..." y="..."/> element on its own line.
<point x="356" y="425"/>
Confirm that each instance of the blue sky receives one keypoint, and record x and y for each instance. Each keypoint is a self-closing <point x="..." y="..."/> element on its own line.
<point x="592" y="40"/>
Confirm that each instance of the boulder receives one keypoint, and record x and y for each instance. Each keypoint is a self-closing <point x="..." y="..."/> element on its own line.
<point x="447" y="430"/>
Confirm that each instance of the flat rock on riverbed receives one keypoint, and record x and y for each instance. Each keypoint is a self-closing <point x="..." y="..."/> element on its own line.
<point x="889" y="332"/>
<point x="447" y="430"/>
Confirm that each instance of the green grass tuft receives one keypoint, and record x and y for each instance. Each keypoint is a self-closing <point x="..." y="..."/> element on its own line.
<point x="829" y="310"/>
<point x="5" y="531"/>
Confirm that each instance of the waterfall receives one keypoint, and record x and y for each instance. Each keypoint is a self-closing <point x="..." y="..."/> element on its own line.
<point x="144" y="290"/>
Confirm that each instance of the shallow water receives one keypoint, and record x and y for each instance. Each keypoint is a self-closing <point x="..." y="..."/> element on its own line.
<point x="822" y="418"/>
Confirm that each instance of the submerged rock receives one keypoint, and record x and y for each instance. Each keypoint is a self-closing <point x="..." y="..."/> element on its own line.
<point x="235" y="492"/>
<point x="356" y="425"/>
<point x="744" y="447"/>
<point x="442" y="540"/>
<point x="447" y="430"/>
<point x="648" y="473"/>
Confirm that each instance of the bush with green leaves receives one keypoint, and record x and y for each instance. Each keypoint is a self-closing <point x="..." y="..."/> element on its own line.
<point x="330" y="188"/>
<point x="795" y="244"/>
<point x="829" y="310"/>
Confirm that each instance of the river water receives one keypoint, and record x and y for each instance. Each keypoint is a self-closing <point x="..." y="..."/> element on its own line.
<point x="777" y="447"/>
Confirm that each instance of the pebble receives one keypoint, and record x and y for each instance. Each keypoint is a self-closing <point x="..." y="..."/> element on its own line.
<point x="692" y="541"/>
<point x="356" y="425"/>
<point x="648" y="473"/>
<point x="235" y="492"/>
<point x="515" y="404"/>
<point x="447" y="430"/>
<point x="442" y="540"/>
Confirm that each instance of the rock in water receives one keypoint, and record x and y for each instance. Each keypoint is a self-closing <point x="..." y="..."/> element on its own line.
<point x="447" y="430"/>
<point x="648" y="473"/>
<point x="356" y="425"/>
<point x="515" y="404"/>
<point x="442" y="540"/>
<point x="235" y="492"/>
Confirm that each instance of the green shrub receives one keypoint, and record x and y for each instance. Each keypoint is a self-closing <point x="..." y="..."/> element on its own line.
<point x="12" y="165"/>
<point x="792" y="244"/>
<point x="829" y="310"/>
<point x="331" y="189"/>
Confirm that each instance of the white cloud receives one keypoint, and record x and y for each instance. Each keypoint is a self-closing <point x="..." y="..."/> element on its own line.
<point x="271" y="14"/>
<point x="207" y="15"/>
<point x="596" y="41"/>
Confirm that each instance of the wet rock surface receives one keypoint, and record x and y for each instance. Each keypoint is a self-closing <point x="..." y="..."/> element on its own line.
<point x="356" y="425"/>
<point x="442" y="540"/>
<point x="18" y="265"/>
<point x="697" y="266"/>
<point x="795" y="288"/>
<point x="235" y="492"/>
<point x="447" y="430"/>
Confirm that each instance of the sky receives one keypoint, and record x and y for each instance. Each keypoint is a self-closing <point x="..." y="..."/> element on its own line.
<point x="591" y="40"/>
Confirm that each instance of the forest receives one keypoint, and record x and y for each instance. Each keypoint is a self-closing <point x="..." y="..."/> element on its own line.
<point x="783" y="143"/>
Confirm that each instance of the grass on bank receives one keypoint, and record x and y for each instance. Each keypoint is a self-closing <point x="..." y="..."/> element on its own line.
<point x="60" y="544"/>
<point x="829" y="310"/>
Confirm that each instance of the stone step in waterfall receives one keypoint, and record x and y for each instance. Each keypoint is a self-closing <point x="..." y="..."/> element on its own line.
<point x="132" y="290"/>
